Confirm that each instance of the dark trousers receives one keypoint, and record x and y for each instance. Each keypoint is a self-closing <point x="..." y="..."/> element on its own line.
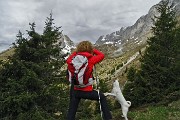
<point x="91" y="95"/>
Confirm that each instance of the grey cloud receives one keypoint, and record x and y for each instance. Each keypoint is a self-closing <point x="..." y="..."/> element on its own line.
<point x="80" y="19"/>
<point x="88" y="34"/>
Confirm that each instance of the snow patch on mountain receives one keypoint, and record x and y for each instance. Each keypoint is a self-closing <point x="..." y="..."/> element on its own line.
<point x="66" y="44"/>
<point x="109" y="42"/>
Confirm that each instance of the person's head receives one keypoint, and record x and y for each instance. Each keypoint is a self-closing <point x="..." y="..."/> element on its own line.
<point x="85" y="46"/>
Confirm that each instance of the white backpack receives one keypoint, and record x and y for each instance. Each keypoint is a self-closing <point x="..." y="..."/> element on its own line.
<point x="80" y="64"/>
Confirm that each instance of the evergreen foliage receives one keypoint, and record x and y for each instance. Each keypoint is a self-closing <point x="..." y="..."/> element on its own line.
<point x="119" y="66"/>
<point x="158" y="75"/>
<point x="32" y="85"/>
<point x="131" y="74"/>
<point x="113" y="71"/>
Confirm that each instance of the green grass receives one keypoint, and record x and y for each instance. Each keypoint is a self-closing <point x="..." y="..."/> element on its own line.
<point x="170" y="112"/>
<point x="4" y="55"/>
<point x="156" y="113"/>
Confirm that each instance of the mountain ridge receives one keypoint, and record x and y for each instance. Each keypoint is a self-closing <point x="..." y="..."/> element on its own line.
<point x="128" y="38"/>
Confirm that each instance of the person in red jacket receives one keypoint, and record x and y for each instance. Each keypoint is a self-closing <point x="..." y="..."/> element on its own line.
<point x="94" y="56"/>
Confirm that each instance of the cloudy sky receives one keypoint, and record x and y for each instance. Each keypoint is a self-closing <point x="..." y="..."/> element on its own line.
<point x="80" y="19"/>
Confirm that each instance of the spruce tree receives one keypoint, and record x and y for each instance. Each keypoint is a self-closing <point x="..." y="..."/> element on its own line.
<point x="158" y="77"/>
<point x="31" y="81"/>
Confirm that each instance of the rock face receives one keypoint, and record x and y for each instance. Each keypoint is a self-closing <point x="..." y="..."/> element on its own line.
<point x="177" y="6"/>
<point x="136" y="34"/>
<point x="66" y="44"/>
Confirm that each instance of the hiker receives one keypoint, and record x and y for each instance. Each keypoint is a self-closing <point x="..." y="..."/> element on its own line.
<point x="85" y="91"/>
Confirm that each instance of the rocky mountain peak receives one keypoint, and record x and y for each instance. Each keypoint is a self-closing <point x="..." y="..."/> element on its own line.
<point x="66" y="44"/>
<point x="136" y="34"/>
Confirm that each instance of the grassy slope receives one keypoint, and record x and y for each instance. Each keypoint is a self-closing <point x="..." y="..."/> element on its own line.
<point x="170" y="112"/>
<point x="5" y="54"/>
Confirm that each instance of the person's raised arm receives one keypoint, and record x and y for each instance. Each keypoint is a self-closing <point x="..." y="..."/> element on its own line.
<point x="98" y="56"/>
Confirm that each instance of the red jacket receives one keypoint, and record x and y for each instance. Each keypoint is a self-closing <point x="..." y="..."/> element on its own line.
<point x="92" y="60"/>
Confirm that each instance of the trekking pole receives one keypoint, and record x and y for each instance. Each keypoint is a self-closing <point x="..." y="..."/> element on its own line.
<point x="97" y="87"/>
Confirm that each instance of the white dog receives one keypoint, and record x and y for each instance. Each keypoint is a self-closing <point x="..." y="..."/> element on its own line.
<point x="116" y="91"/>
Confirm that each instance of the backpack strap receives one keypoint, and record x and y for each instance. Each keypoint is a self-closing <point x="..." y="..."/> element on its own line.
<point x="82" y="86"/>
<point x="91" y="81"/>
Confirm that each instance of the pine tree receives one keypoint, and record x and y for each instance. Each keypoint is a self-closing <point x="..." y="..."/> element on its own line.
<point x="31" y="81"/>
<point x="158" y="76"/>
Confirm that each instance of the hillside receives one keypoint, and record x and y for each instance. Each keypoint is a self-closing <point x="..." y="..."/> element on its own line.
<point x="7" y="53"/>
<point x="151" y="112"/>
<point x="115" y="66"/>
<point x="131" y="58"/>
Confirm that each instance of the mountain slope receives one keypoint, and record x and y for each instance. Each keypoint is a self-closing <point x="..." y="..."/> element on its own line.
<point x="126" y="39"/>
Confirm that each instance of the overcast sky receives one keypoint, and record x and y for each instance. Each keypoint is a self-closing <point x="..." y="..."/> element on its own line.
<point x="80" y="19"/>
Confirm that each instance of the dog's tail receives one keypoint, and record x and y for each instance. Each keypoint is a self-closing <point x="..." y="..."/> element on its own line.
<point x="129" y="103"/>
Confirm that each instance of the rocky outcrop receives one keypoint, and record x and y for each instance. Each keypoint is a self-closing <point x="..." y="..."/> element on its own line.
<point x="66" y="44"/>
<point x="136" y="34"/>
